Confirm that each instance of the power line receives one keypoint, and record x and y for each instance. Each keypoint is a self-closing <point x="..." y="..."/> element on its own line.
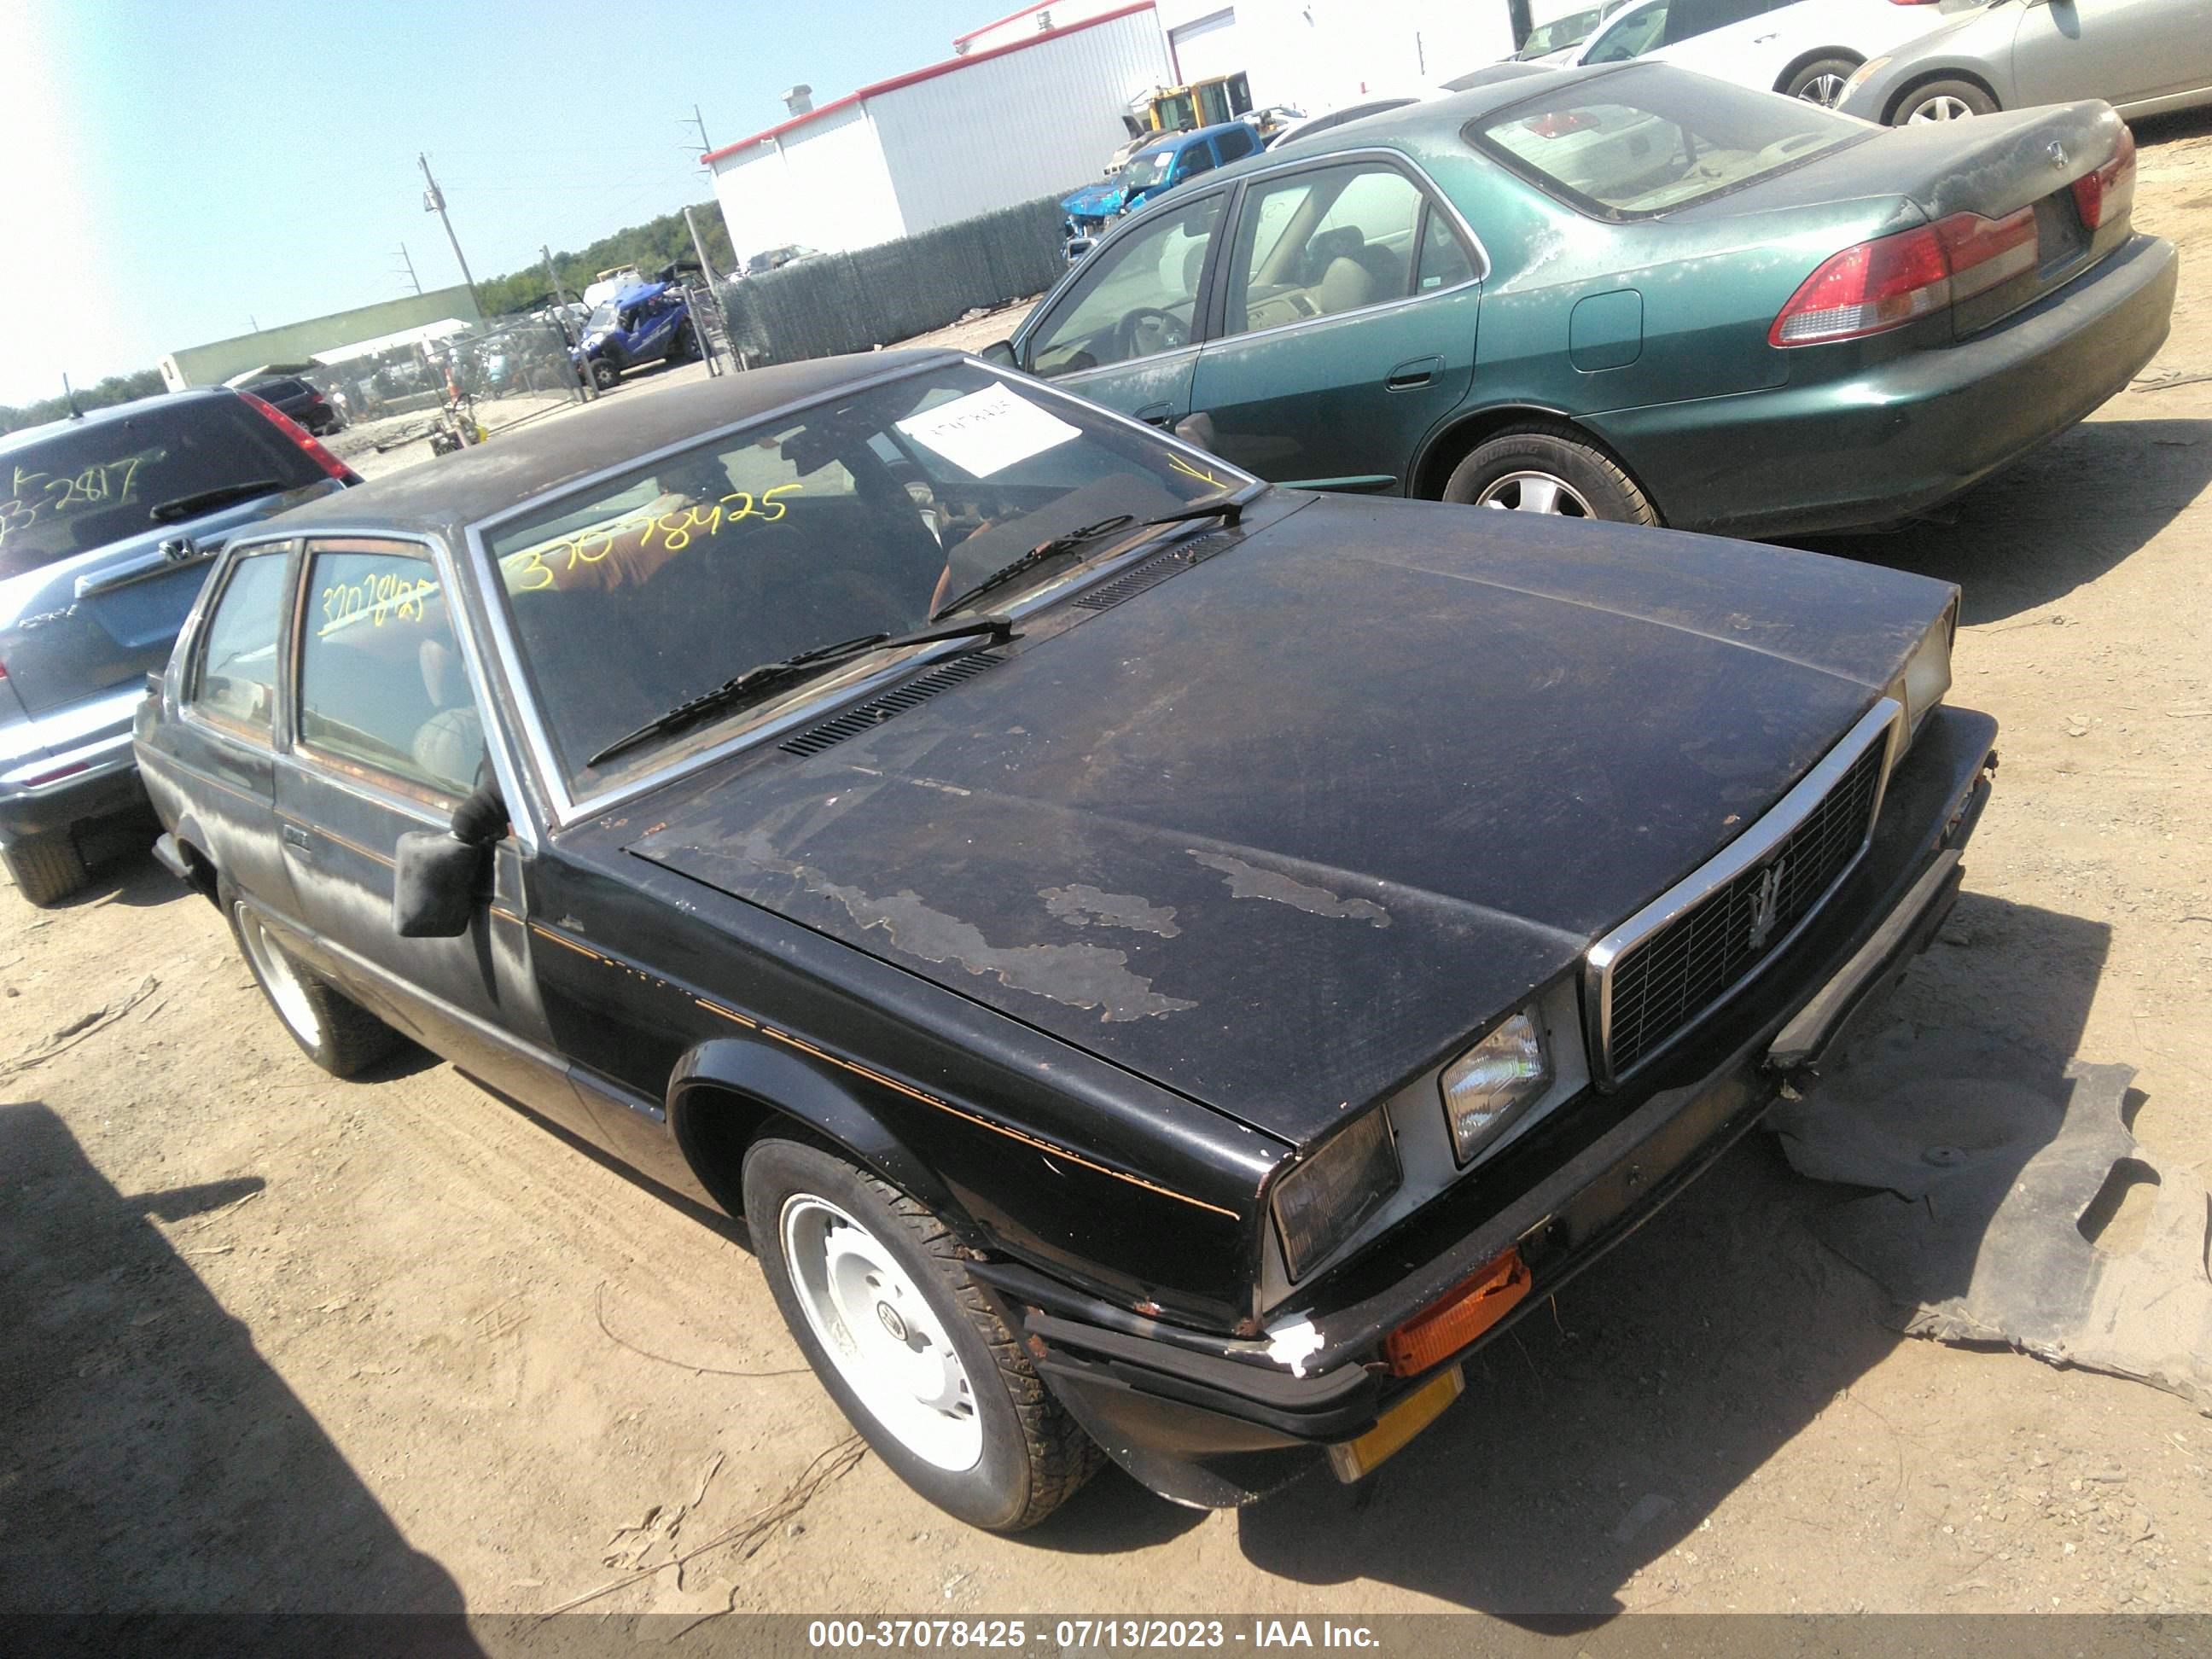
<point x="409" y="263"/>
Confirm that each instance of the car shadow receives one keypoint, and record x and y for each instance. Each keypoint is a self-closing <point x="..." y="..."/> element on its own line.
<point x="153" y="1460"/>
<point x="1597" y="1432"/>
<point x="2058" y="520"/>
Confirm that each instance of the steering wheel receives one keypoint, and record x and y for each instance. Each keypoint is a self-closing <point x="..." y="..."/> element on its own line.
<point x="1148" y="329"/>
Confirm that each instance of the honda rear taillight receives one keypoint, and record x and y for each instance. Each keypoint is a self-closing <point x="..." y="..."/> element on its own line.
<point x="1895" y="280"/>
<point x="2107" y="194"/>
<point x="303" y="440"/>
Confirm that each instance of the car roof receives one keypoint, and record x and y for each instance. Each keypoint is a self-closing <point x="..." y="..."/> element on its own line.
<point x="442" y="495"/>
<point x="1429" y="126"/>
<point x="24" y="436"/>
<point x="1182" y="140"/>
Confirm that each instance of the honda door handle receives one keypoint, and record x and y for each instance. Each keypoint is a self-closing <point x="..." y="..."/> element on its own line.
<point x="297" y="839"/>
<point x="1159" y="415"/>
<point x="1418" y="373"/>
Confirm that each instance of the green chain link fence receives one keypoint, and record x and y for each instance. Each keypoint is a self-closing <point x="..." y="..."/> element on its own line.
<point x="841" y="302"/>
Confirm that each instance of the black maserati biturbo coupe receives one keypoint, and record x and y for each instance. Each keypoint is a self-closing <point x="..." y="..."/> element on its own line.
<point x="1162" y="965"/>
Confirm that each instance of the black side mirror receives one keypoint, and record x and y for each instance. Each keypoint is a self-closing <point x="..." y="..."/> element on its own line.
<point x="437" y="873"/>
<point x="1000" y="352"/>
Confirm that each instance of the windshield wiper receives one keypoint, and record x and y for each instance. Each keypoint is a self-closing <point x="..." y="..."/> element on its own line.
<point x="764" y="678"/>
<point x="1228" y="507"/>
<point x="1036" y="555"/>
<point x="207" y="500"/>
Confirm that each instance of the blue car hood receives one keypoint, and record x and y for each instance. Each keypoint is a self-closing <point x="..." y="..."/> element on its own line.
<point x="1099" y="201"/>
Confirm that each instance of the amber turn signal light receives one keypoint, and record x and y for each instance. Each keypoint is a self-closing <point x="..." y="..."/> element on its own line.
<point x="1448" y="1324"/>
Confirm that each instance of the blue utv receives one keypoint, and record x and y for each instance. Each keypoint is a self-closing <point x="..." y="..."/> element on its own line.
<point x="643" y="323"/>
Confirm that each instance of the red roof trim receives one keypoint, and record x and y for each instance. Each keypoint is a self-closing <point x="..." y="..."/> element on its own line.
<point x="1011" y="17"/>
<point x="915" y="76"/>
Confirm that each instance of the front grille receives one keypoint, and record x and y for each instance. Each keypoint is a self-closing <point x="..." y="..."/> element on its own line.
<point x="1662" y="984"/>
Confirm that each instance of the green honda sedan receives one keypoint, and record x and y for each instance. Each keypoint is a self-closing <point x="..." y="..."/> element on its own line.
<point x="1629" y="293"/>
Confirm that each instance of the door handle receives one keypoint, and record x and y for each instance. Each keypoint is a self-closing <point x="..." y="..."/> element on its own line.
<point x="297" y="839"/>
<point x="1418" y="373"/>
<point x="1159" y="415"/>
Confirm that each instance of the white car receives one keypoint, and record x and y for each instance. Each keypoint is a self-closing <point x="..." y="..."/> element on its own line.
<point x="1804" y="48"/>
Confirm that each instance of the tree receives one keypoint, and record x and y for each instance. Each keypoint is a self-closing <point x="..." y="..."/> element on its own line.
<point x="115" y="389"/>
<point x="649" y="247"/>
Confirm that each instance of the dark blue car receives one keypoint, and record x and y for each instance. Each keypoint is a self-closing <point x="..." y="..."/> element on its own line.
<point x="643" y="323"/>
<point x="1149" y="172"/>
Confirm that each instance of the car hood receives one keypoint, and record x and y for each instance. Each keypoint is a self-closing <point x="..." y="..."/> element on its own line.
<point x="1287" y="827"/>
<point x="1093" y="201"/>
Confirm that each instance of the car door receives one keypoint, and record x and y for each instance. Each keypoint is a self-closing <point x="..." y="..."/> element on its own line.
<point x="1347" y="324"/>
<point x="223" y="741"/>
<point x="2122" y="51"/>
<point x="1124" y="333"/>
<point x="386" y="736"/>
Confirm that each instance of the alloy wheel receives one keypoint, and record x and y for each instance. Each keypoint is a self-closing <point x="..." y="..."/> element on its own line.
<point x="1944" y="108"/>
<point x="1822" y="89"/>
<point x="279" y="978"/>
<point x="886" y="1342"/>
<point x="1534" y="492"/>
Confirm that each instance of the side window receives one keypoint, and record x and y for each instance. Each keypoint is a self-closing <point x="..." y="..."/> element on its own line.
<point x="1445" y="262"/>
<point x="1237" y="142"/>
<point x="1317" y="243"/>
<point x="1634" y="34"/>
<point x="1195" y="159"/>
<point x="382" y="684"/>
<point x="1137" y="298"/>
<point x="236" y="682"/>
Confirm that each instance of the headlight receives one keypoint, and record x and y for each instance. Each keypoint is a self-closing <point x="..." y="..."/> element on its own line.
<point x="1485" y="1087"/>
<point x="1864" y="73"/>
<point x="1927" y="673"/>
<point x="1322" y="1202"/>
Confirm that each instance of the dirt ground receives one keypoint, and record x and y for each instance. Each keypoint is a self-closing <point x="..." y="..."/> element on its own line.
<point x="269" y="1341"/>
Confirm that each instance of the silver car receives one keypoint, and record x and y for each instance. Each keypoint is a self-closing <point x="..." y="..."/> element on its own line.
<point x="2141" y="57"/>
<point x="104" y="534"/>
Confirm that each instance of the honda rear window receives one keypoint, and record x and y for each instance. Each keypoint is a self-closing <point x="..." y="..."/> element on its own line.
<point x="84" y="485"/>
<point x="1649" y="139"/>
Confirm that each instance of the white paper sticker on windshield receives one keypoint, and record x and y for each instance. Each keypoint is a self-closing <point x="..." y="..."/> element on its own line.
<point x="988" y="431"/>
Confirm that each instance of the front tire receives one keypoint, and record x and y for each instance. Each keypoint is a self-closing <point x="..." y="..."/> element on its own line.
<point x="1820" y="82"/>
<point x="876" y="1294"/>
<point x="46" y="869"/>
<point x="1548" y="469"/>
<point x="1942" y="101"/>
<point x="605" y="374"/>
<point x="337" y="1033"/>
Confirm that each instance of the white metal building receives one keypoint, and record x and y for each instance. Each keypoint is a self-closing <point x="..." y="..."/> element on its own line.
<point x="998" y="125"/>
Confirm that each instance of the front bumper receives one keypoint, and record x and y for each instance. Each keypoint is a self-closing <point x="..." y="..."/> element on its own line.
<point x="1856" y="450"/>
<point x="1216" y="1422"/>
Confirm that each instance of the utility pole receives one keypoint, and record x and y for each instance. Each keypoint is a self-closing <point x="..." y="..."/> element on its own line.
<point x="706" y="144"/>
<point x="699" y="245"/>
<point x="585" y="390"/>
<point x="412" y="277"/>
<point x="434" y="201"/>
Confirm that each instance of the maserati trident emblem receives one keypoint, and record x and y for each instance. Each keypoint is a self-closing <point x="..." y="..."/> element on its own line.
<point x="1765" y="900"/>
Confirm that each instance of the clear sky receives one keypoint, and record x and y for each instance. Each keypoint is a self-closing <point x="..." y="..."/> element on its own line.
<point x="173" y="171"/>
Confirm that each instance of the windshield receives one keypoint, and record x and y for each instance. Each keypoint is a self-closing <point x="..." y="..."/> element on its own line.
<point x="1148" y="169"/>
<point x="1569" y="31"/>
<point x="80" y="487"/>
<point x="1649" y="138"/>
<point x="603" y="316"/>
<point x="861" y="515"/>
